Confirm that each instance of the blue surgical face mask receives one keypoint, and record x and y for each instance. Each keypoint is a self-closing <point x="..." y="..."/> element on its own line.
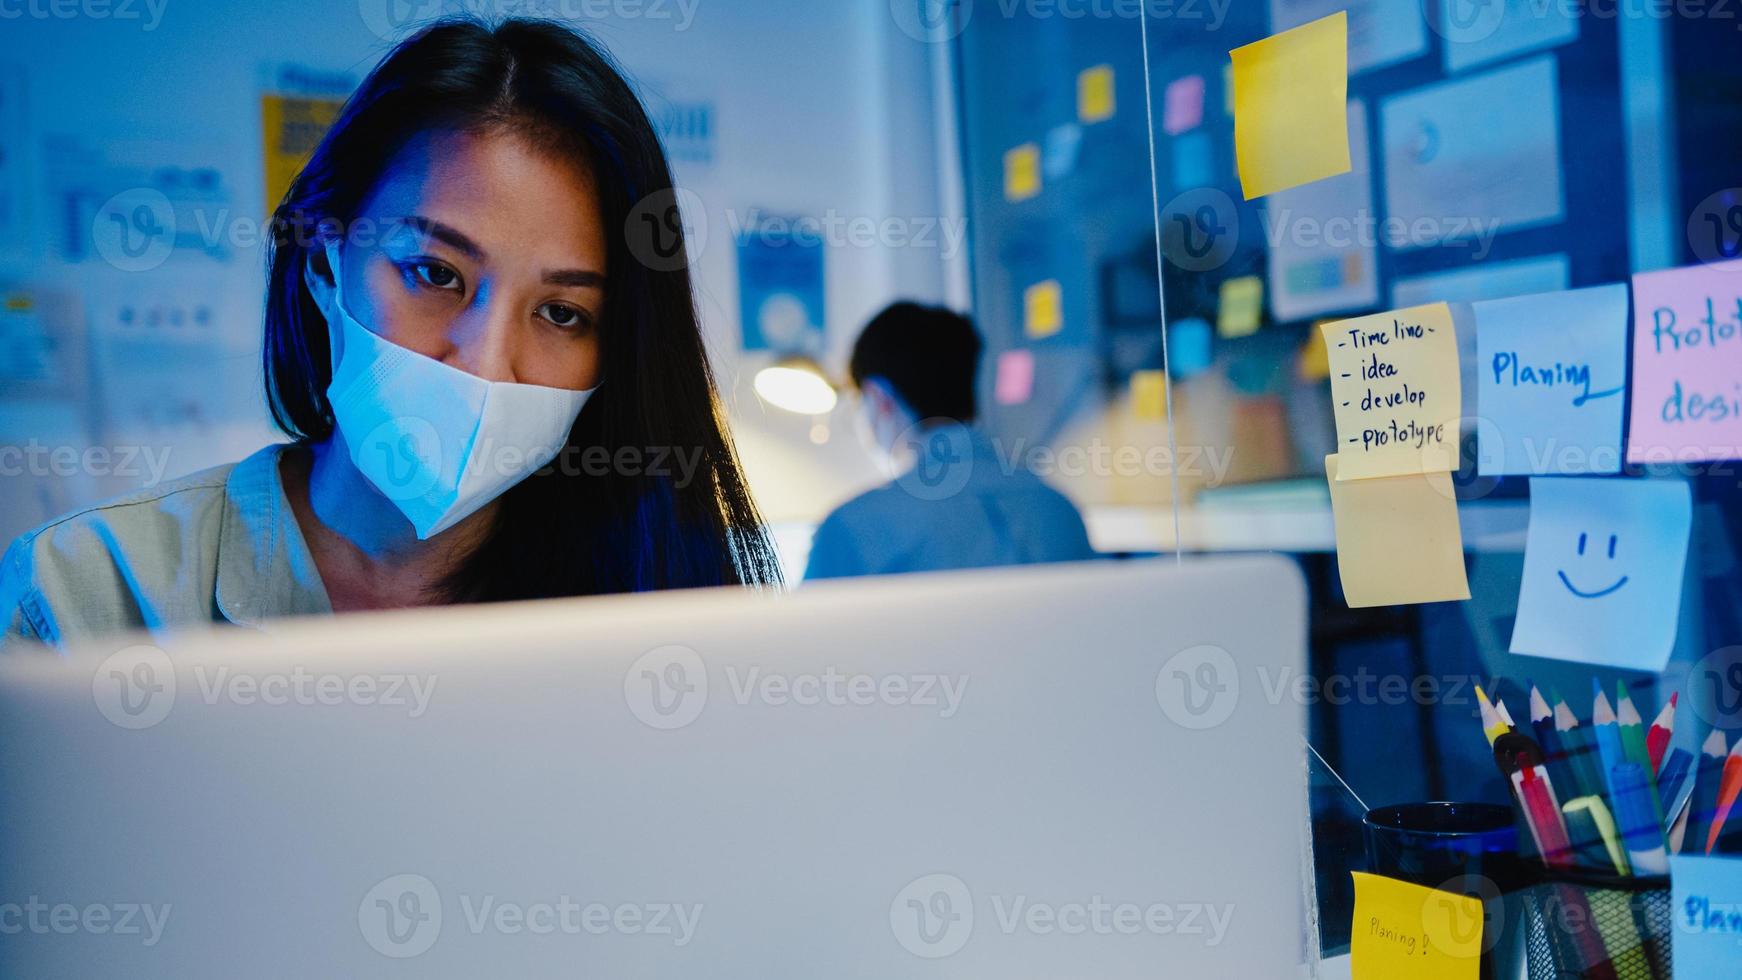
<point x="438" y="442"/>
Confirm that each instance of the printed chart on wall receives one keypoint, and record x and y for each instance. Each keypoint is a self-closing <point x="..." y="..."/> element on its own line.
<point x="296" y="109"/>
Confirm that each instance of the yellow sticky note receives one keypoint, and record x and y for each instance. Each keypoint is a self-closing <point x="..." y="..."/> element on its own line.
<point x="1240" y="306"/>
<point x="1291" y="123"/>
<point x="1149" y="394"/>
<point x="1022" y="172"/>
<point x="1398" y="540"/>
<point x="1314" y="363"/>
<point x="1043" y="309"/>
<point x="1095" y="94"/>
<point x="1394" y="391"/>
<point x="1407" y="930"/>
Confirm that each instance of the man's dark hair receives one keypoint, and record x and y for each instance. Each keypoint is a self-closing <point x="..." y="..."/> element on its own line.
<point x="928" y="354"/>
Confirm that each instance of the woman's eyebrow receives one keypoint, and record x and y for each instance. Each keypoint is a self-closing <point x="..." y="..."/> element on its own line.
<point x="583" y="278"/>
<point x="431" y="228"/>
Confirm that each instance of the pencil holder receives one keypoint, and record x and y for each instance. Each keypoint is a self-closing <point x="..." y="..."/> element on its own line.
<point x="1597" y="926"/>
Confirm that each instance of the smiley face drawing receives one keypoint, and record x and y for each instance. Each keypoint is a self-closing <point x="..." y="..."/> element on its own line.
<point x="1598" y="593"/>
<point x="1604" y="560"/>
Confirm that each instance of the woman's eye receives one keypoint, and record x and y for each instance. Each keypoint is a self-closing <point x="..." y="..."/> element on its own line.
<point x="437" y="275"/>
<point x="564" y="316"/>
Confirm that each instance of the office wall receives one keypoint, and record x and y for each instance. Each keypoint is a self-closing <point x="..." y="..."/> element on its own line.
<point x="817" y="109"/>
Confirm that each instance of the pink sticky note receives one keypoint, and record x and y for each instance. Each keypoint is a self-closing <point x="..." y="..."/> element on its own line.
<point x="1015" y="380"/>
<point x="1183" y="105"/>
<point x="1687" y="364"/>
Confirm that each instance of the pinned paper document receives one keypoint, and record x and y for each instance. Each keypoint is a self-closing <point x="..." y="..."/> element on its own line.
<point x="1182" y="105"/>
<point x="1551" y="381"/>
<point x="1394" y="391"/>
<point x="1014" y="382"/>
<point x="1403" y="929"/>
<point x="1398" y="540"/>
<point x="1095" y="96"/>
<point x="1022" y="172"/>
<point x="1149" y="394"/>
<point x="1042" y="309"/>
<point x="1603" y="570"/>
<point x="1687" y="364"/>
<point x="1290" y="92"/>
<point x="1240" y="306"/>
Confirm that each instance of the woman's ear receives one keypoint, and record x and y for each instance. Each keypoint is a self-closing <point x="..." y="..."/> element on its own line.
<point x="317" y="276"/>
<point x="318" y="279"/>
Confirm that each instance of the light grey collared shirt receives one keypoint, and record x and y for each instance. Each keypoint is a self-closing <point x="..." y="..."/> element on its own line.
<point x="963" y="504"/>
<point x="219" y="546"/>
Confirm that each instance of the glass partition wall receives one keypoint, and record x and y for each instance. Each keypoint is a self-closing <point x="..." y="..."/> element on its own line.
<point x="1153" y="291"/>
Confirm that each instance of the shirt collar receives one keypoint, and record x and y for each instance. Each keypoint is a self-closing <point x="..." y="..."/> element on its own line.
<point x="265" y="569"/>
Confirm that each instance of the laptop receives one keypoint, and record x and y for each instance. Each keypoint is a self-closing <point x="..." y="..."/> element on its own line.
<point x="1063" y="771"/>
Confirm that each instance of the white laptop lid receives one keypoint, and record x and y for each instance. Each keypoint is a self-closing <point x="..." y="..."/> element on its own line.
<point x="1064" y="771"/>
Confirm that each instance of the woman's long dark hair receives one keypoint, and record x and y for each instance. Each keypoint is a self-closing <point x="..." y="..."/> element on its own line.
<point x="569" y="529"/>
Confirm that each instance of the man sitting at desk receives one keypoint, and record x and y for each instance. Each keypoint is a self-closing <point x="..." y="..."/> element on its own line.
<point x="953" y="501"/>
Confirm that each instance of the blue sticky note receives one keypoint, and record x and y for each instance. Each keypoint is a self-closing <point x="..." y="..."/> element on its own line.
<point x="1551" y="382"/>
<point x="1194" y="162"/>
<point x="1188" y="346"/>
<point x="1059" y="155"/>
<point x="1706" y="912"/>
<point x="1603" y="566"/>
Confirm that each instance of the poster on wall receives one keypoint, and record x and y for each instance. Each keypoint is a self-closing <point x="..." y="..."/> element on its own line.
<point x="780" y="285"/>
<point x="297" y="106"/>
<point x="686" y="119"/>
<point x="12" y="140"/>
<point x="1477" y="31"/>
<point x="1323" y="238"/>
<point x="136" y="204"/>
<point x="1381" y="32"/>
<point x="1457" y="172"/>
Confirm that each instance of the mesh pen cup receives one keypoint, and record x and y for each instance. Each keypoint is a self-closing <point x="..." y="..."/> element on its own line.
<point x="1626" y="920"/>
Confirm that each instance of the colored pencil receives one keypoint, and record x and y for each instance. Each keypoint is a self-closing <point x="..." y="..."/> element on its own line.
<point x="1632" y="728"/>
<point x="1673" y="785"/>
<point x="1492" y="726"/>
<point x="1579" y="750"/>
<point x="1678" y="829"/>
<point x="1662" y="730"/>
<point x="1729" y="788"/>
<point x="1707" y="775"/>
<point x="1641" y="834"/>
<point x="1607" y="735"/>
<point x="1542" y="726"/>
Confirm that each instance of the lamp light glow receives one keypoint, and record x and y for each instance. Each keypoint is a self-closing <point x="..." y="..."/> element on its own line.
<point x="796" y="385"/>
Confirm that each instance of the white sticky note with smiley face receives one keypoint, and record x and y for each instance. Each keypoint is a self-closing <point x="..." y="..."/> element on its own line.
<point x="1603" y="568"/>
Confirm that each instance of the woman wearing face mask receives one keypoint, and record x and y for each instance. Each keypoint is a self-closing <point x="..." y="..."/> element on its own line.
<point x="480" y="337"/>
